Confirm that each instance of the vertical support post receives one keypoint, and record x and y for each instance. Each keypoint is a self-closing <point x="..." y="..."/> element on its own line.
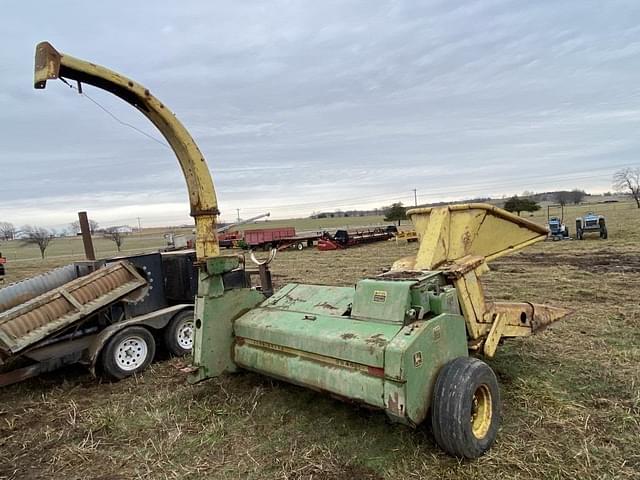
<point x="471" y="297"/>
<point x="216" y="311"/>
<point x="86" y="236"/>
<point x="434" y="242"/>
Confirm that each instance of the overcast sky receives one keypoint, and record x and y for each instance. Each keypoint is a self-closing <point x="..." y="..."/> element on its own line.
<point x="308" y="106"/>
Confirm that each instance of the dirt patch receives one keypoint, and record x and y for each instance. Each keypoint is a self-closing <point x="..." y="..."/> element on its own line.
<point x="600" y="261"/>
<point x="348" y="472"/>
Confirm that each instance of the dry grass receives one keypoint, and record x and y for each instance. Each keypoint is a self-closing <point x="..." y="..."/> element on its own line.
<point x="571" y="395"/>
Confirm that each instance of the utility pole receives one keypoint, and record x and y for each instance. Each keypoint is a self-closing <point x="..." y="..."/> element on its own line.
<point x="89" y="252"/>
<point x="415" y="196"/>
<point x="238" y="210"/>
<point x="139" y="224"/>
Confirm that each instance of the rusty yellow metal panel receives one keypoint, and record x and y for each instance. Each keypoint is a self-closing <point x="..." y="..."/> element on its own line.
<point x="452" y="232"/>
<point x="51" y="64"/>
<point x="472" y="301"/>
<point x="433" y="231"/>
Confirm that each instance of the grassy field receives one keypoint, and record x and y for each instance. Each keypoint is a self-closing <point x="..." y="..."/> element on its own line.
<point x="25" y="260"/>
<point x="571" y="395"/>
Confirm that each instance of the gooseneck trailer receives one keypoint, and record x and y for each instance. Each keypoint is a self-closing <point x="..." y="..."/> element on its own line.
<point x="399" y="342"/>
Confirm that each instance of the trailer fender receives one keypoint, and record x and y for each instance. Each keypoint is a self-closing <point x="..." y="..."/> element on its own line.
<point x="155" y="320"/>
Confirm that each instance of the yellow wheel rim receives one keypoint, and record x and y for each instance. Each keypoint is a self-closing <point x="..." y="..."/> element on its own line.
<point x="481" y="412"/>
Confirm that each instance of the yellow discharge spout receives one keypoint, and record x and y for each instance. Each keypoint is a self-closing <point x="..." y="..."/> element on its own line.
<point x="51" y="64"/>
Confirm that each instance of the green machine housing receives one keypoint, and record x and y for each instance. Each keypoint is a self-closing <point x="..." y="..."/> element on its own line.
<point x="381" y="343"/>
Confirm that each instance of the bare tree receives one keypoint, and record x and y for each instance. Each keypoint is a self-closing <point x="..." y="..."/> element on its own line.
<point x="563" y="197"/>
<point x="628" y="180"/>
<point x="7" y="231"/>
<point x="36" y="236"/>
<point x="74" y="227"/>
<point x="115" y="235"/>
<point x="577" y="195"/>
<point x="93" y="226"/>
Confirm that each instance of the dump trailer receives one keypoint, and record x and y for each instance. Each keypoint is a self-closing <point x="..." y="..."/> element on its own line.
<point x="226" y="239"/>
<point x="398" y="342"/>
<point x="107" y="314"/>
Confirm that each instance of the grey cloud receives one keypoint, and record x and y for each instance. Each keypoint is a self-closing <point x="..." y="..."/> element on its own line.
<point x="305" y="104"/>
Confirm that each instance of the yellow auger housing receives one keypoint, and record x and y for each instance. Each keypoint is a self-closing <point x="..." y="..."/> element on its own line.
<point x="460" y="240"/>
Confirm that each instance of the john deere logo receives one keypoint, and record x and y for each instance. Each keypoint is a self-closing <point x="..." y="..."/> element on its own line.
<point x="380" y="296"/>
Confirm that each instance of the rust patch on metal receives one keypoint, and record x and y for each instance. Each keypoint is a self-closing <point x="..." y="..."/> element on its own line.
<point x="326" y="305"/>
<point x="466" y="240"/>
<point x="292" y="299"/>
<point x="377" y="340"/>
<point x="394" y="406"/>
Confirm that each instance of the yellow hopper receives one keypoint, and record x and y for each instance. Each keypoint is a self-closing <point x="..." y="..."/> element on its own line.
<point x="460" y="240"/>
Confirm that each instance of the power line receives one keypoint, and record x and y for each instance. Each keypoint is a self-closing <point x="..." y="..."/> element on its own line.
<point x="112" y="115"/>
<point x="359" y="200"/>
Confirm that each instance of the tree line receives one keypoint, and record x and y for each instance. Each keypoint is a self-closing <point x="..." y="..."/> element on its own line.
<point x="42" y="237"/>
<point x="625" y="181"/>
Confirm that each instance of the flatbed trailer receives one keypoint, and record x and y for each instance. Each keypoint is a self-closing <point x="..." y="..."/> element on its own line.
<point x="106" y="314"/>
<point x="299" y="242"/>
<point x="344" y="239"/>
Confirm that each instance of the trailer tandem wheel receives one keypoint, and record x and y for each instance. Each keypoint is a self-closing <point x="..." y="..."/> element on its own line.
<point x="178" y="335"/>
<point x="129" y="351"/>
<point x="465" y="411"/>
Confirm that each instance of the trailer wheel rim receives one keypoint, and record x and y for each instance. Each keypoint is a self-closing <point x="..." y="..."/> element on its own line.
<point x="184" y="334"/>
<point x="481" y="412"/>
<point x="131" y="353"/>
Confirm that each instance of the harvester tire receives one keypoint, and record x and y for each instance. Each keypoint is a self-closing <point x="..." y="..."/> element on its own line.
<point x="465" y="410"/>
<point x="603" y="234"/>
<point x="129" y="351"/>
<point x="178" y="334"/>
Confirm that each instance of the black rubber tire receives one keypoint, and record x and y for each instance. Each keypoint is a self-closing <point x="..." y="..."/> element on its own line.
<point x="170" y="335"/>
<point x="452" y="407"/>
<point x="299" y="246"/>
<point x="579" y="235"/>
<point x="604" y="234"/>
<point x="108" y="355"/>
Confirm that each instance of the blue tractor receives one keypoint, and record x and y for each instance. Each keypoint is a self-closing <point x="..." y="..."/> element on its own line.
<point x="557" y="229"/>
<point x="591" y="223"/>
